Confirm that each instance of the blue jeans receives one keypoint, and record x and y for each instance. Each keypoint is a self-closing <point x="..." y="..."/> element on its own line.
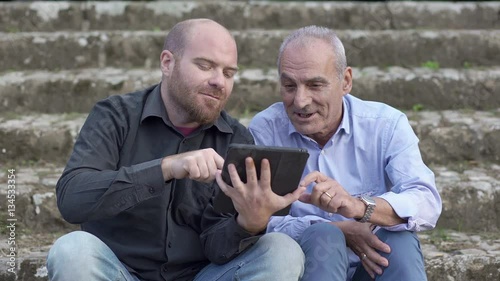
<point x="326" y="255"/>
<point x="82" y="256"/>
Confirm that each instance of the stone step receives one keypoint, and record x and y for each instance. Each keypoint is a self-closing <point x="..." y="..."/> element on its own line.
<point x="448" y="255"/>
<point x="465" y="245"/>
<point x="257" y="48"/>
<point x="82" y="16"/>
<point x="254" y="90"/>
<point x="445" y="136"/>
<point x="31" y="138"/>
<point x="471" y="196"/>
<point x="470" y="192"/>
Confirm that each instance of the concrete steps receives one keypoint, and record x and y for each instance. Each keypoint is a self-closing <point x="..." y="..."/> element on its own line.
<point x="438" y="62"/>
<point x="445" y="136"/>
<point x="473" y="250"/>
<point x="404" y="88"/>
<point x="256" y="48"/>
<point x="39" y="16"/>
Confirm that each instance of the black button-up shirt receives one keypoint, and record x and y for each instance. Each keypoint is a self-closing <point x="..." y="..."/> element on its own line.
<point x="113" y="185"/>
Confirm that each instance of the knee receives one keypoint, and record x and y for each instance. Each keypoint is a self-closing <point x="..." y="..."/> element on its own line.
<point x="282" y="256"/>
<point x="404" y="245"/>
<point x="280" y="245"/>
<point x="324" y="242"/>
<point x="73" y="247"/>
<point x="324" y="235"/>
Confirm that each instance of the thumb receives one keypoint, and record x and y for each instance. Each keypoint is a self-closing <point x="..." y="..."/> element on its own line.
<point x="305" y="198"/>
<point x="219" y="161"/>
<point x="291" y="197"/>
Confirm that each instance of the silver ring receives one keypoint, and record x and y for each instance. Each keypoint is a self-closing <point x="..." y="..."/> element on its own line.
<point x="363" y="256"/>
<point x="327" y="194"/>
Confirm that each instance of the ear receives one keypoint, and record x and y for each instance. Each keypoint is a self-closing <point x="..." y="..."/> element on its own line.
<point x="167" y="62"/>
<point x="347" y="81"/>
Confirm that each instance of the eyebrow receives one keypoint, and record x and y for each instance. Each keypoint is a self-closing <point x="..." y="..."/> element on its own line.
<point x="201" y="59"/>
<point x="317" y="79"/>
<point x="313" y="79"/>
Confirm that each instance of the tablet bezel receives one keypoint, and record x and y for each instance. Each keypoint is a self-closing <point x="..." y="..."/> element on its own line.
<point x="287" y="166"/>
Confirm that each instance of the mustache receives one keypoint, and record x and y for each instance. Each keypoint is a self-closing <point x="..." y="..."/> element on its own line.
<point x="212" y="92"/>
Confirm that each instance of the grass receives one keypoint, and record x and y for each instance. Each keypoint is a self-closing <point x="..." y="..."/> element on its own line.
<point x="439" y="235"/>
<point x="434" y="65"/>
<point x="417" y="107"/>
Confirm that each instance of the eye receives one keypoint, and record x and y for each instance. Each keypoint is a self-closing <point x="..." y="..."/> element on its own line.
<point x="289" y="86"/>
<point x="315" y="85"/>
<point x="204" y="66"/>
<point x="229" y="74"/>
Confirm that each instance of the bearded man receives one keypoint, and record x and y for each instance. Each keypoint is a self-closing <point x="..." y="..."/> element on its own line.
<point x="140" y="180"/>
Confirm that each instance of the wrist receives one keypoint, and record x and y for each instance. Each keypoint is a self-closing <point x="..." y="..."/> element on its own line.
<point x="250" y="227"/>
<point x="165" y="169"/>
<point x="360" y="209"/>
<point x="370" y="205"/>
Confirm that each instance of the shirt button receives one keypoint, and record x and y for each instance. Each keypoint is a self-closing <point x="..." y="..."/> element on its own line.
<point x="330" y="214"/>
<point x="151" y="190"/>
<point x="170" y="244"/>
<point x="323" y="152"/>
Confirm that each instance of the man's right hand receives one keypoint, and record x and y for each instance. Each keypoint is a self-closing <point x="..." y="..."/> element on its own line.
<point x="366" y="245"/>
<point x="199" y="165"/>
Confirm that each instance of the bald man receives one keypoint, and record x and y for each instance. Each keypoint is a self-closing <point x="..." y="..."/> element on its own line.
<point x="145" y="168"/>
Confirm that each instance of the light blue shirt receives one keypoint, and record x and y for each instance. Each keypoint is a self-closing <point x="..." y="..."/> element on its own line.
<point x="373" y="152"/>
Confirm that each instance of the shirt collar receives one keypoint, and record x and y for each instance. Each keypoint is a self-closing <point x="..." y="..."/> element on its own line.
<point x="154" y="107"/>
<point x="344" y="123"/>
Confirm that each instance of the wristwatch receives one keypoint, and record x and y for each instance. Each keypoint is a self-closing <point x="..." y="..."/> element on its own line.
<point x="370" y="206"/>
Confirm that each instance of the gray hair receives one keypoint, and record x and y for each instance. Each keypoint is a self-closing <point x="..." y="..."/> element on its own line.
<point x="304" y="34"/>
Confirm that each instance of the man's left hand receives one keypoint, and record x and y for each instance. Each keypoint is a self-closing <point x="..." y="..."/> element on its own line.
<point x="254" y="200"/>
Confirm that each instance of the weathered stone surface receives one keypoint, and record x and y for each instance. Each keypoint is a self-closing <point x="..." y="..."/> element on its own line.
<point x="442" y="249"/>
<point x="38" y="137"/>
<point x="470" y="198"/>
<point x="254" y="89"/>
<point x="449" y="52"/>
<point x="464" y="267"/>
<point x="473" y="250"/>
<point x="257" y="48"/>
<point x="445" y="137"/>
<point x="39" y="16"/>
<point x="470" y="194"/>
<point x="68" y="91"/>
<point x="35" y="202"/>
<point x="449" y="136"/>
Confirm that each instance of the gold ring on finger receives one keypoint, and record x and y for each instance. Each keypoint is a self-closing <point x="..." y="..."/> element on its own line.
<point x="327" y="194"/>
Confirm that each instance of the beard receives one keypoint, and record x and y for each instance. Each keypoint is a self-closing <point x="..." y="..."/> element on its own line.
<point x="188" y="103"/>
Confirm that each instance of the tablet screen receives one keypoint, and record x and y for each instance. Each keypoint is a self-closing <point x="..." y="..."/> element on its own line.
<point x="287" y="165"/>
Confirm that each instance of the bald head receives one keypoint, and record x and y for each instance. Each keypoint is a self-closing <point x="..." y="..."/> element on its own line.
<point x="181" y="34"/>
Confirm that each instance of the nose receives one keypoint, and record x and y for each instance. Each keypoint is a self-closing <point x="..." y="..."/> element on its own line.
<point x="302" y="98"/>
<point x="217" y="80"/>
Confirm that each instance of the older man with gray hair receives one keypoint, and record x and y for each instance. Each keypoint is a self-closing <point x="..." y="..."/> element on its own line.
<point x="368" y="190"/>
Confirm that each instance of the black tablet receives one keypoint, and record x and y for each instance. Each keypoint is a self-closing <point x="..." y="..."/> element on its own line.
<point x="287" y="165"/>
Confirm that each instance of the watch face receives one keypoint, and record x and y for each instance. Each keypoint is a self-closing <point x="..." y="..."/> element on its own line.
<point x="369" y="200"/>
